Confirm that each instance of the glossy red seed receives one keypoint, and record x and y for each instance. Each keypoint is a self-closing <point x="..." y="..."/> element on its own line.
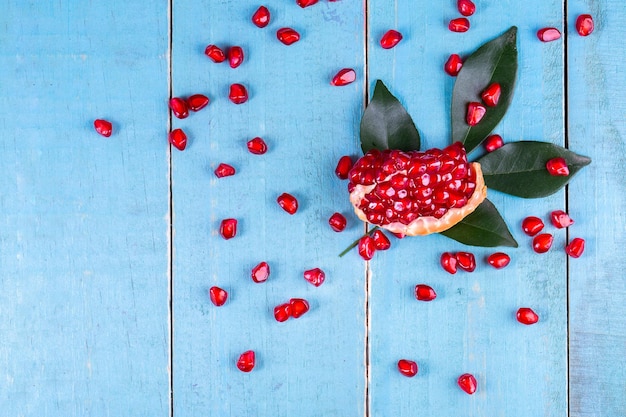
<point x="398" y="235"/>
<point x="260" y="273"/>
<point x="197" y="102"/>
<point x="315" y="276"/>
<point x="491" y="95"/>
<point x="257" y="146"/>
<point x="282" y="312"/>
<point x="235" y="56"/>
<point x="542" y="242"/>
<point x="493" y="142"/>
<point x="224" y="170"/>
<point x="179" y="107"/>
<point x="288" y="203"/>
<point x="407" y="367"/>
<point x="466" y="261"/>
<point x="460" y="24"/>
<point x="246" y="361"/>
<point x="575" y="248"/>
<point x="453" y="65"/>
<point x="287" y="36"/>
<point x="343" y="167"/>
<point x="548" y="34"/>
<point x="299" y="306"/>
<point x="382" y="242"/>
<point x="306" y="3"/>
<point x="448" y="262"/>
<point x="215" y="53"/>
<point x="228" y="228"/>
<point x="498" y="260"/>
<point x="466" y="7"/>
<point x="367" y="247"/>
<point x="424" y="293"/>
<point x="261" y="17"/>
<point x="390" y="39"/>
<point x="584" y="24"/>
<point x="343" y="77"/>
<point x="475" y="113"/>
<point x="561" y="219"/>
<point x="532" y="225"/>
<point x="238" y="93"/>
<point x="178" y="138"/>
<point x="337" y="222"/>
<point x="557" y="167"/>
<point x="218" y="296"/>
<point x="527" y="316"/>
<point x="103" y="127"/>
<point x="467" y="383"/>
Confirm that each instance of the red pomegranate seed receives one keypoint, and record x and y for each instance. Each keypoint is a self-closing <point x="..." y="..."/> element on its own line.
<point x="542" y="242"/>
<point x="448" y="262"/>
<point x="218" y="296"/>
<point x="238" y="94"/>
<point x="260" y="273"/>
<point x="382" y="242"/>
<point x="235" y="56"/>
<point x="178" y="138"/>
<point x="261" y="17"/>
<point x="466" y="7"/>
<point x="288" y="203"/>
<point x="491" y="95"/>
<point x="197" y="102"/>
<point x="548" y="34"/>
<point x="453" y="65"/>
<point x="306" y="3"/>
<point x="466" y="261"/>
<point x="459" y="25"/>
<point x="390" y="39"/>
<point x="475" y="113"/>
<point x="224" y="170"/>
<point x="398" y="235"/>
<point x="561" y="219"/>
<point x="584" y="24"/>
<point x="257" y="146"/>
<point x="103" y="127"/>
<point x="337" y="222"/>
<point x="215" y="53"/>
<point x="367" y="247"/>
<point x="246" y="361"/>
<point x="467" y="383"/>
<point x="407" y="367"/>
<point x="228" y="228"/>
<point x="343" y="167"/>
<point x="343" y="77"/>
<point x="287" y="36"/>
<point x="299" y="306"/>
<point x="493" y="142"/>
<point x="532" y="225"/>
<point x="527" y="316"/>
<point x="575" y="248"/>
<point x="179" y="107"/>
<point x="282" y="312"/>
<point x="557" y="167"/>
<point x="315" y="276"/>
<point x="498" y="260"/>
<point x="424" y="293"/>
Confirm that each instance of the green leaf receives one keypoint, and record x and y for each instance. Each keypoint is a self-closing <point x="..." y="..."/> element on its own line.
<point x="493" y="62"/>
<point x="484" y="227"/>
<point x="386" y="124"/>
<point x="519" y="168"/>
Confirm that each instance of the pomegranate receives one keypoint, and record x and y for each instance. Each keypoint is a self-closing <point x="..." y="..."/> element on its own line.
<point x="179" y="107"/>
<point x="453" y="65"/>
<point x="548" y="34"/>
<point x="343" y="77"/>
<point x="527" y="316"/>
<point x="178" y="138"/>
<point x="235" y="56"/>
<point x="228" y="228"/>
<point x="493" y="142"/>
<point x="343" y="167"/>
<point x="557" y="167"/>
<point x="467" y="383"/>
<point x="299" y="306"/>
<point x="315" y="276"/>
<point x="542" y="242"/>
<point x="215" y="53"/>
<point x="381" y="241"/>
<point x="218" y="296"/>
<point x="575" y="248"/>
<point x="337" y="222"/>
<point x="561" y="219"/>
<point x="238" y="93"/>
<point x="287" y="36"/>
<point x="498" y="260"/>
<point x="448" y="262"/>
<point x="246" y="361"/>
<point x="491" y="95"/>
<point x="260" y="273"/>
<point x="466" y="261"/>
<point x="407" y="367"/>
<point x="197" y="102"/>
<point x="367" y="247"/>
<point x="390" y="39"/>
<point x="261" y="17"/>
<point x="424" y="293"/>
<point x="466" y="7"/>
<point x="257" y="146"/>
<point x="224" y="170"/>
<point x="460" y="25"/>
<point x="103" y="127"/>
<point x="288" y="203"/>
<point x="475" y="113"/>
<point x="282" y="312"/>
<point x="532" y="225"/>
<point x="416" y="193"/>
<point x="584" y="24"/>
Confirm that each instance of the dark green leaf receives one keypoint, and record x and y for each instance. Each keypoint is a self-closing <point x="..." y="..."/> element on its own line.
<point x="484" y="227"/>
<point x="493" y="62"/>
<point x="386" y="124"/>
<point x="519" y="168"/>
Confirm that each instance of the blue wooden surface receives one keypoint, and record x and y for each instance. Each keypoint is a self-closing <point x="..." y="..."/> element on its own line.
<point x="88" y="257"/>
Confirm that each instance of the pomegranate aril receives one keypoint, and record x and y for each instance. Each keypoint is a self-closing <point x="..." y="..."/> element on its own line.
<point x="424" y="292"/>
<point x="246" y="361"/>
<point x="584" y="24"/>
<point x="498" y="260"/>
<point x="299" y="306"/>
<point x="343" y="77"/>
<point x="218" y="296"/>
<point x="257" y="146"/>
<point x="548" y="34"/>
<point x="282" y="312"/>
<point x="215" y="53"/>
<point x="466" y="7"/>
<point x="557" y="167"/>
<point x="532" y="225"/>
<point x="337" y="222"/>
<point x="367" y="247"/>
<point x="527" y="316"/>
<point x="382" y="242"/>
<point x="542" y="242"/>
<point x="491" y="95"/>
<point x="306" y="3"/>
<point x="561" y="219"/>
<point x="467" y="383"/>
<point x="466" y="261"/>
<point x="315" y="276"/>
<point x="493" y="142"/>
<point x="197" y="102"/>
<point x="235" y="56"/>
<point x="224" y="170"/>
<point x="453" y="65"/>
<point x="103" y="127"/>
<point x="288" y="203"/>
<point x="407" y="367"/>
<point x="460" y="24"/>
<point x="228" y="228"/>
<point x="448" y="262"/>
<point x="261" y="17"/>
<point x="238" y="93"/>
<point x="575" y="248"/>
<point x="178" y="138"/>
<point x="179" y="107"/>
<point x="343" y="167"/>
<point x="287" y="36"/>
<point x="475" y="113"/>
<point x="260" y="273"/>
<point x="390" y="39"/>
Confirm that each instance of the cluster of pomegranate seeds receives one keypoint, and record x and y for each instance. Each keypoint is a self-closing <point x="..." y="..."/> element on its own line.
<point x="246" y="361"/>
<point x="584" y="25"/>
<point x="287" y="36"/>
<point x="390" y="39"/>
<point x="460" y="24"/>
<point x="527" y="316"/>
<point x="576" y="247"/>
<point x="407" y="367"/>
<point x="295" y="308"/>
<point x="315" y="276"/>
<point x="493" y="142"/>
<point x="561" y="219"/>
<point x="103" y="127"/>
<point x="260" y="273"/>
<point x="337" y="222"/>
<point x="548" y="34"/>
<point x="218" y="296"/>
<point x="235" y="56"/>
<point x="197" y="102"/>
<point x="257" y="146"/>
<point x="466" y="7"/>
<point x="343" y="77"/>
<point x="288" y="203"/>
<point x="557" y="167"/>
<point x="467" y="383"/>
<point x="424" y="292"/>
<point x="343" y="167"/>
<point x="215" y="53"/>
<point x="453" y="65"/>
<point x="475" y="113"/>
<point x="261" y="17"/>
<point x="491" y="95"/>
<point x="543" y="242"/>
<point x="498" y="260"/>
<point x="178" y="138"/>
<point x="224" y="170"/>
<point x="238" y="93"/>
<point x="179" y="107"/>
<point x="367" y="247"/>
<point x="381" y="242"/>
<point x="532" y="225"/>
<point x="228" y="228"/>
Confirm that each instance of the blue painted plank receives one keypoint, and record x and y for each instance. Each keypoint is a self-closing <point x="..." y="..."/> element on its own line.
<point x="83" y="242"/>
<point x="314" y="365"/>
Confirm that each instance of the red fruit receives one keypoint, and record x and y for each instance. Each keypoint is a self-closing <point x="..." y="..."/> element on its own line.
<point x="382" y="242"/>
<point x="315" y="276"/>
<point x="448" y="262"/>
<point x="542" y="242"/>
<point x="246" y="361"/>
<point x="499" y="260"/>
<point x="224" y="170"/>
<point x="257" y="146"/>
<point x="493" y="142"/>
<point x="288" y="203"/>
<point x="532" y="225"/>
<point x="179" y="107"/>
<point x="299" y="306"/>
<point x="575" y="248"/>
<point x="527" y="316"/>
<point x="344" y="77"/>
<point x="475" y="113"/>
<point x="390" y="39"/>
<point x="197" y="102"/>
<point x="306" y="3"/>
<point x="424" y="293"/>
<point x="215" y="53"/>
<point x="343" y="167"/>
<point x="235" y="56"/>
<point x="337" y="222"/>
<point x="228" y="228"/>
<point x="218" y="296"/>
<point x="466" y="7"/>
<point x="178" y="138"/>
<point x="261" y="17"/>
<point x="491" y="95"/>
<point x="466" y="261"/>
<point x="282" y="312"/>
<point x="548" y="34"/>
<point x="467" y="383"/>
<point x="260" y="273"/>
<point x="557" y="167"/>
<point x="453" y="65"/>
<point x="459" y="25"/>
<point x="238" y="94"/>
<point x="287" y="36"/>
<point x="560" y="219"/>
<point x="367" y="247"/>
<point x="407" y="368"/>
<point x="584" y="24"/>
<point x="103" y="127"/>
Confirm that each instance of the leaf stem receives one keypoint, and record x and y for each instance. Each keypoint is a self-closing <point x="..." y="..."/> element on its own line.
<point x="356" y="242"/>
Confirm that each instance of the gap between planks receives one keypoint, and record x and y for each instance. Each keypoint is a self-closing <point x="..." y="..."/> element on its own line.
<point x="170" y="214"/>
